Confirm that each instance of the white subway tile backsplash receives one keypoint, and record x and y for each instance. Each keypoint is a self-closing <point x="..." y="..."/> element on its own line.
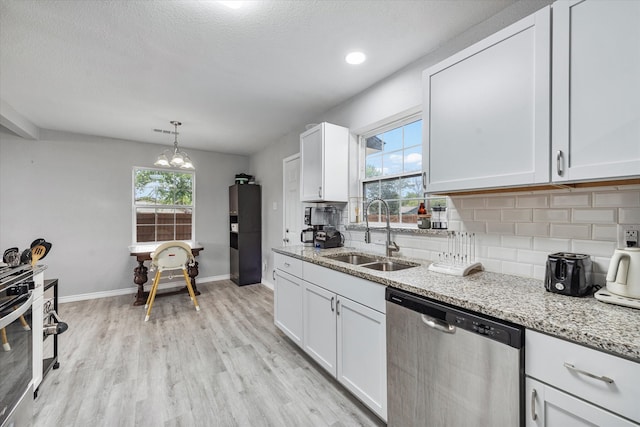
<point x="604" y="232"/>
<point x="629" y="215"/>
<point x="517" y="215"/>
<point x="487" y="215"/>
<point x="571" y="231"/>
<point x="487" y="240"/>
<point x="531" y="257"/>
<point x="491" y="265"/>
<point x="593" y="248"/>
<point x="622" y="199"/>
<point x="501" y="228"/>
<point x="539" y="271"/>
<point x="594" y="216"/>
<point x="549" y="245"/>
<point x="532" y="229"/>
<point x="517" y="269"/>
<point x="534" y="201"/>
<point x="515" y="233"/>
<point x="501" y="202"/>
<point x="474" y="227"/>
<point x="469" y="203"/>
<point x="506" y="254"/>
<point x="600" y="264"/>
<point x="516" y="242"/>
<point x="552" y="215"/>
<point x="570" y="200"/>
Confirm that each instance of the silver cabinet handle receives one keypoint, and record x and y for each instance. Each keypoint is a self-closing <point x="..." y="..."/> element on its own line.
<point x="534" y="394"/>
<point x="332" y="298"/>
<point x="424" y="181"/>
<point x="338" y="307"/>
<point x="589" y="374"/>
<point x="320" y="191"/>
<point x="273" y="274"/>
<point x="559" y="163"/>
<point x="438" y="324"/>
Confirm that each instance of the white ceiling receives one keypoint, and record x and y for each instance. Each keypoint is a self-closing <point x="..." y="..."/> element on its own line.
<point x="237" y="79"/>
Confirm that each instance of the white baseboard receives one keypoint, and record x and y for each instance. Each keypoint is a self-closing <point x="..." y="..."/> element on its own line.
<point x="200" y="281"/>
<point x="267" y="284"/>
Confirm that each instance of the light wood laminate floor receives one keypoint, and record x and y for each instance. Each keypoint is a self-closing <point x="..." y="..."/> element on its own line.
<point x="227" y="365"/>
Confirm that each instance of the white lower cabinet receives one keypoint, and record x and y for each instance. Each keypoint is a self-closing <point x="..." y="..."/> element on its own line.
<point x="339" y="321"/>
<point x="571" y="385"/>
<point x="362" y="353"/>
<point x="348" y="339"/>
<point x="287" y="305"/>
<point x="320" y="326"/>
<point x="550" y="407"/>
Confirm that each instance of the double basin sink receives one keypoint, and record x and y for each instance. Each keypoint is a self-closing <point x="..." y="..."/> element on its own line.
<point x="373" y="263"/>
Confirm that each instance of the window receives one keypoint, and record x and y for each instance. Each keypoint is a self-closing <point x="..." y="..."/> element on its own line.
<point x="393" y="170"/>
<point x="163" y="205"/>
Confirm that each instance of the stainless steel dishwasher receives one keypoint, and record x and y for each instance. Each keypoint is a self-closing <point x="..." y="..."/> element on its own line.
<point x="451" y="367"/>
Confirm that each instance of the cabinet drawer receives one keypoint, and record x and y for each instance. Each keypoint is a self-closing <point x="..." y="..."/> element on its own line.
<point x="567" y="366"/>
<point x="290" y="265"/>
<point x="363" y="291"/>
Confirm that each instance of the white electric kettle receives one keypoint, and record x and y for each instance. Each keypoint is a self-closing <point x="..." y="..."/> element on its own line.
<point x="623" y="279"/>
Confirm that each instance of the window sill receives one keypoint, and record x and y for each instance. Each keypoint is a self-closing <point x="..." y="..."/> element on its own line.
<point x="410" y="229"/>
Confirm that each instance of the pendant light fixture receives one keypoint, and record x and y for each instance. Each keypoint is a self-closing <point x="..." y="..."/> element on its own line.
<point x="176" y="158"/>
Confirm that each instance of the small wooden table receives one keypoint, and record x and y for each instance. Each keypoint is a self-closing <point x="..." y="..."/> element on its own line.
<point x="140" y="277"/>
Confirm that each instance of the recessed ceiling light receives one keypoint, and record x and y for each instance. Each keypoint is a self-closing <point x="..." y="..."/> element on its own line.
<point x="355" y="58"/>
<point x="232" y="4"/>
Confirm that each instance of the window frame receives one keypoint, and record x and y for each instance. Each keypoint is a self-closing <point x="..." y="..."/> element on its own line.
<point x="362" y="179"/>
<point x="134" y="234"/>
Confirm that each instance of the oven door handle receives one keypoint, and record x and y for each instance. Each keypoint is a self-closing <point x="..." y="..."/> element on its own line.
<point x="21" y="310"/>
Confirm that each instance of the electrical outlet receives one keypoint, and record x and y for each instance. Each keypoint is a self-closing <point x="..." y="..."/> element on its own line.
<point x="628" y="235"/>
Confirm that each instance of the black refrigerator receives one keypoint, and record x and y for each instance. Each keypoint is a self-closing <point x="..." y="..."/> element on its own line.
<point x="245" y="234"/>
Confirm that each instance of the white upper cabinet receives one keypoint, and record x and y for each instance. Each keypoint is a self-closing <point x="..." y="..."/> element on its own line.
<point x="596" y="90"/>
<point x="487" y="111"/>
<point x="324" y="153"/>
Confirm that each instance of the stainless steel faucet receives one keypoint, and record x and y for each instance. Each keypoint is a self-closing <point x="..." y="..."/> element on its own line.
<point x="390" y="246"/>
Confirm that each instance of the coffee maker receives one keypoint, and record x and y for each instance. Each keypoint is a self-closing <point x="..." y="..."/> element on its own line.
<point x="316" y="219"/>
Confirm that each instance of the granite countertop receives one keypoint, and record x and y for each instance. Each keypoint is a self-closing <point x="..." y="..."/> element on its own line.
<point x="611" y="328"/>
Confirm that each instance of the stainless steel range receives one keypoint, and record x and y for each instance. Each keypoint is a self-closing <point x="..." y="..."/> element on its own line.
<point x="16" y="354"/>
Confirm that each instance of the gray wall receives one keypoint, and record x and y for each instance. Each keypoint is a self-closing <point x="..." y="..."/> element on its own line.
<point x="393" y="96"/>
<point x="76" y="190"/>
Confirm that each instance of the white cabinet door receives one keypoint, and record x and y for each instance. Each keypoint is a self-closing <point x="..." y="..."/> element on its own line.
<point x="320" y="326"/>
<point x="362" y="357"/>
<point x="287" y="306"/>
<point x="550" y="407"/>
<point x="596" y="90"/>
<point x="486" y="111"/>
<point x="311" y="179"/>
<point x="324" y="153"/>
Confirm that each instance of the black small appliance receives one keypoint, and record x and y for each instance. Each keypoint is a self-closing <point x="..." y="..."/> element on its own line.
<point x="568" y="274"/>
<point x="329" y="238"/>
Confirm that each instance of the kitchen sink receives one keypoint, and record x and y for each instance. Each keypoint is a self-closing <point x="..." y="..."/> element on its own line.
<point x="355" y="259"/>
<point x="388" y="266"/>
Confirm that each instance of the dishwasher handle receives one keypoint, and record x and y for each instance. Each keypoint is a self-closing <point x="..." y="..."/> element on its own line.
<point x="438" y="324"/>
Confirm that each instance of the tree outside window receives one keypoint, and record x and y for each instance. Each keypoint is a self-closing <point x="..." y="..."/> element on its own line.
<point x="163" y="205"/>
